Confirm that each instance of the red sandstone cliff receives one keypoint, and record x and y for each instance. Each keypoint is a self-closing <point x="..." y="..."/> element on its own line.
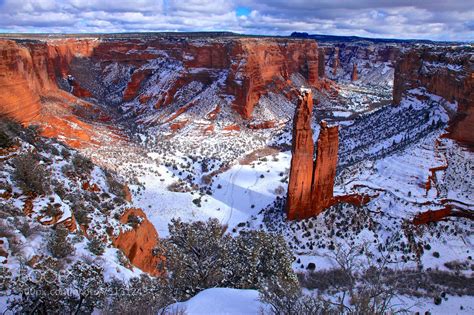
<point x="19" y="89"/>
<point x="310" y="187"/>
<point x="262" y="61"/>
<point x="32" y="69"/>
<point x="447" y="73"/>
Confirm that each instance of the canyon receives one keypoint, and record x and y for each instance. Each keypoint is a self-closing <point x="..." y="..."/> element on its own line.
<point x="445" y="72"/>
<point x="331" y="145"/>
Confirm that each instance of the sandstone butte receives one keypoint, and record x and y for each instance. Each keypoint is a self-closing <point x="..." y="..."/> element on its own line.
<point x="447" y="74"/>
<point x="311" y="183"/>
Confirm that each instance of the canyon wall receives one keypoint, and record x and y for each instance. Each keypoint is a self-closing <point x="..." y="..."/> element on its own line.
<point x="311" y="183"/>
<point x="30" y="69"/>
<point x="447" y="72"/>
<point x="374" y="62"/>
<point x="117" y="70"/>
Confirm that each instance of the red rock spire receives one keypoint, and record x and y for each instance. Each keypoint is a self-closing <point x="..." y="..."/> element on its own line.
<point x="311" y="183"/>
<point x="299" y="186"/>
<point x="354" y="76"/>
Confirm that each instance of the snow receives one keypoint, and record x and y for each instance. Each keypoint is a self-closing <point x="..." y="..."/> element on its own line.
<point x="222" y="301"/>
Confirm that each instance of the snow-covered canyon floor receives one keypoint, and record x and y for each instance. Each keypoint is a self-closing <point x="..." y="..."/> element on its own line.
<point x="386" y="152"/>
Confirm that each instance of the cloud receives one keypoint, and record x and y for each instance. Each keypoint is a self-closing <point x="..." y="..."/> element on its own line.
<point x="439" y="20"/>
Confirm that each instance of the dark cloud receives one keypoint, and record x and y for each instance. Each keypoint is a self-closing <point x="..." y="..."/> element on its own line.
<point x="443" y="20"/>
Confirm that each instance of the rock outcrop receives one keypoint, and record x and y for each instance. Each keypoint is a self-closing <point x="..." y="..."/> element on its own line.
<point x="447" y="72"/>
<point x="354" y="76"/>
<point x="311" y="183"/>
<point x="324" y="170"/>
<point x="139" y="242"/>
<point x="260" y="61"/>
<point x="336" y="61"/>
<point x="301" y="175"/>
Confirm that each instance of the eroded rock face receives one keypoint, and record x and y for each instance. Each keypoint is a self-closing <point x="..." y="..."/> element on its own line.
<point x="374" y="62"/>
<point x="154" y="71"/>
<point x="260" y="61"/>
<point x="134" y="84"/>
<point x="139" y="242"/>
<point x="354" y="73"/>
<point x="311" y="183"/>
<point x="301" y="174"/>
<point x="29" y="92"/>
<point x="447" y="72"/>
<point x="19" y="97"/>
<point x="324" y="168"/>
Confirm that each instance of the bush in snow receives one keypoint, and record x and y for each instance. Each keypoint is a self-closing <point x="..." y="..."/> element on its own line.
<point x="256" y="259"/>
<point x="86" y="287"/>
<point x="38" y="291"/>
<point x="195" y="255"/>
<point x="200" y="255"/>
<point x="96" y="246"/>
<point x="82" y="165"/>
<point x="58" y="243"/>
<point x="50" y="290"/>
<point x="31" y="176"/>
<point x="81" y="213"/>
<point x="115" y="186"/>
<point x="5" y="140"/>
<point x="143" y="295"/>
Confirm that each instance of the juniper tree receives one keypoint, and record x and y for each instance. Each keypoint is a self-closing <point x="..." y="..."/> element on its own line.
<point x="87" y="289"/>
<point x="195" y="254"/>
<point x="58" y="243"/>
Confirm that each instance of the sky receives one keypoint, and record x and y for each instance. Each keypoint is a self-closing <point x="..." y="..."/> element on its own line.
<point x="426" y="19"/>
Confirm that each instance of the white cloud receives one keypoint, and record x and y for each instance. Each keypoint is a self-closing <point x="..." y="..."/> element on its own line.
<point x="450" y="20"/>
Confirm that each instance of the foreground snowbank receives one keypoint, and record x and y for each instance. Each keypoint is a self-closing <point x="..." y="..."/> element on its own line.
<point x="223" y="301"/>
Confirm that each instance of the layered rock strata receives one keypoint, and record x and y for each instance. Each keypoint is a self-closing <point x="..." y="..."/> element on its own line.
<point x="119" y="70"/>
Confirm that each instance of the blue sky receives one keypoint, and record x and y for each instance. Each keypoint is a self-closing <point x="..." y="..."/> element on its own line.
<point x="437" y="20"/>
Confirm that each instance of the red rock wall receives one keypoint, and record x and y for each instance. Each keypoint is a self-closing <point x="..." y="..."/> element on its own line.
<point x="431" y="69"/>
<point x="263" y="60"/>
<point x="310" y="187"/>
<point x="19" y="97"/>
<point x="34" y="67"/>
<point x="31" y="70"/>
